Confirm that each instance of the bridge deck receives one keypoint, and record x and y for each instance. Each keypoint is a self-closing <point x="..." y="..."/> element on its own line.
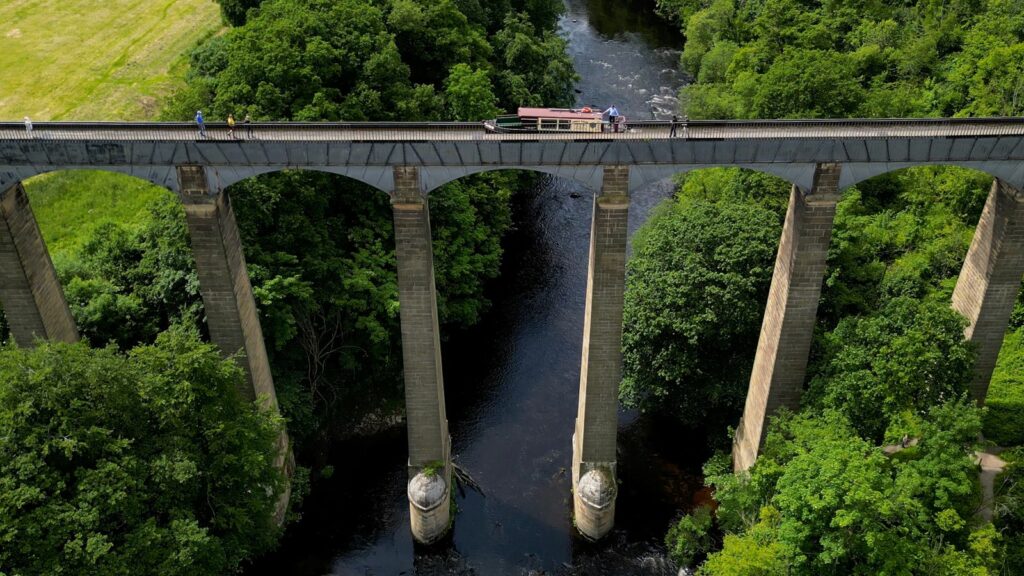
<point x="468" y="131"/>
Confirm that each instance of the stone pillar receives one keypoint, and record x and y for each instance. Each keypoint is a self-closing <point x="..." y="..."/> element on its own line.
<point x="788" y="326"/>
<point x="593" y="463"/>
<point x="429" y="444"/>
<point x="31" y="294"/>
<point x="231" y="314"/>
<point x="990" y="279"/>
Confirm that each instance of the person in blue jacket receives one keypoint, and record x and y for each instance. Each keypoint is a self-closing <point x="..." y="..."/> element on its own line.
<point x="199" y="122"/>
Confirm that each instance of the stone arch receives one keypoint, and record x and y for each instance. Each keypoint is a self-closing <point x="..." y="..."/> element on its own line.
<point x="1011" y="172"/>
<point x="377" y="177"/>
<point x="162" y="176"/>
<point x="433" y="177"/>
<point x="800" y="175"/>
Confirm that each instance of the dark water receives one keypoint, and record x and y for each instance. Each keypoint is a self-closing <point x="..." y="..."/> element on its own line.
<point x="511" y="385"/>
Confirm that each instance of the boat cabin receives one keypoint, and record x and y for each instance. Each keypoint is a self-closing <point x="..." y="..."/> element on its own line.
<point x="550" y="120"/>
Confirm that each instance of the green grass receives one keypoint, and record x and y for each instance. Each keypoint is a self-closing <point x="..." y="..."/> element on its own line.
<point x="70" y="206"/>
<point x="1004" y="420"/>
<point x="94" y="60"/>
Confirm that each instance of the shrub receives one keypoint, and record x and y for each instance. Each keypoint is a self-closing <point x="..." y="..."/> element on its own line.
<point x="690" y="537"/>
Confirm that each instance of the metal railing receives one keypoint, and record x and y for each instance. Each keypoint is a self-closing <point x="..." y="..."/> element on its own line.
<point x="462" y="131"/>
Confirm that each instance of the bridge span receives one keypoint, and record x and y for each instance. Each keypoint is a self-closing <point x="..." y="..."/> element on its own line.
<point x="409" y="160"/>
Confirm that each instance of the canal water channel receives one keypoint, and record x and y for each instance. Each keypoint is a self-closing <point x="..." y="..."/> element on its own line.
<point x="511" y="384"/>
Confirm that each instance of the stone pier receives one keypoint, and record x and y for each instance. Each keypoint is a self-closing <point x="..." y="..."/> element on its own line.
<point x="593" y="464"/>
<point x="788" y="326"/>
<point x="990" y="279"/>
<point x="29" y="290"/>
<point x="231" y="314"/>
<point x="429" y="444"/>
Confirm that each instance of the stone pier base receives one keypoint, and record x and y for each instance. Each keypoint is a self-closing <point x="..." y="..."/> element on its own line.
<point x="231" y="313"/>
<point x="430" y="505"/>
<point x="430" y="466"/>
<point x="593" y="498"/>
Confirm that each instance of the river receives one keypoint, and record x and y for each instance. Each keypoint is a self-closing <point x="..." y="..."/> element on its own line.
<point x="511" y="384"/>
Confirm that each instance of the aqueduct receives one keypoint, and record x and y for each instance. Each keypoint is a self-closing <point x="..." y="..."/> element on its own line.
<point x="408" y="160"/>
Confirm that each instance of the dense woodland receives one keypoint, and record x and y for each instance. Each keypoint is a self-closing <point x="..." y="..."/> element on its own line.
<point x="889" y="359"/>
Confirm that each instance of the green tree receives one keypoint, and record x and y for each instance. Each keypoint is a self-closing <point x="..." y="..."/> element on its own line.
<point x="126" y="286"/>
<point x="831" y="502"/>
<point x="808" y="84"/>
<point x="532" y="68"/>
<point x="690" y="536"/>
<point x="1009" y="511"/>
<point x="695" y="296"/>
<point x="469" y="94"/>
<point x="909" y="356"/>
<point x="149" y="463"/>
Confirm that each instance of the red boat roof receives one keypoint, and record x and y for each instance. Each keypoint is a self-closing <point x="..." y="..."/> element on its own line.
<point x="573" y="114"/>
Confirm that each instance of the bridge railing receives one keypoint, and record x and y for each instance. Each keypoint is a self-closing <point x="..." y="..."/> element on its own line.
<point x="434" y="131"/>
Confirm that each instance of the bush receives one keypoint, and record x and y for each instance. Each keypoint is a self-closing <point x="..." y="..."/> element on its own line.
<point x="690" y="537"/>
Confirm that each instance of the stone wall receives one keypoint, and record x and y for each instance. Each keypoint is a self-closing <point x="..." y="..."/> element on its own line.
<point x="31" y="294"/>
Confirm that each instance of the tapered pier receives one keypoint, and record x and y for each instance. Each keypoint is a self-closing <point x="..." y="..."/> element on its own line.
<point x="788" y="326"/>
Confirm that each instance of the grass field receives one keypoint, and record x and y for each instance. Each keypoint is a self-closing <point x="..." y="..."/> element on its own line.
<point x="96" y="59"/>
<point x="70" y="206"/>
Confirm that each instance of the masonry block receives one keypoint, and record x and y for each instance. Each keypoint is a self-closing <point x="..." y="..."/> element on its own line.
<point x="990" y="279"/>
<point x="32" y="297"/>
<point x="780" y="363"/>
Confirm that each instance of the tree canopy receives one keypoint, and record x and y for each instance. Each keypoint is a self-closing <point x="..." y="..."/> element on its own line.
<point x="695" y="294"/>
<point x="129" y="464"/>
<point x="822" y="500"/>
<point x="908" y="357"/>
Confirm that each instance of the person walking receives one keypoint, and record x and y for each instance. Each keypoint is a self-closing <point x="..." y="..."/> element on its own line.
<point x="248" y="126"/>
<point x="672" y="132"/>
<point x="28" y="125"/>
<point x="200" y="123"/>
<point x="231" y="125"/>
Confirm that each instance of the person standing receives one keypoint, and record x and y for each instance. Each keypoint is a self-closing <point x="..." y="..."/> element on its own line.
<point x="672" y="132"/>
<point x="28" y="125"/>
<point x="231" y="125"/>
<point x="613" y="117"/>
<point x="686" y="126"/>
<point x="248" y="126"/>
<point x="200" y="123"/>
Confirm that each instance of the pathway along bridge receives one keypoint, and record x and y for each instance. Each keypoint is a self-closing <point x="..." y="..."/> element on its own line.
<point x="408" y="160"/>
